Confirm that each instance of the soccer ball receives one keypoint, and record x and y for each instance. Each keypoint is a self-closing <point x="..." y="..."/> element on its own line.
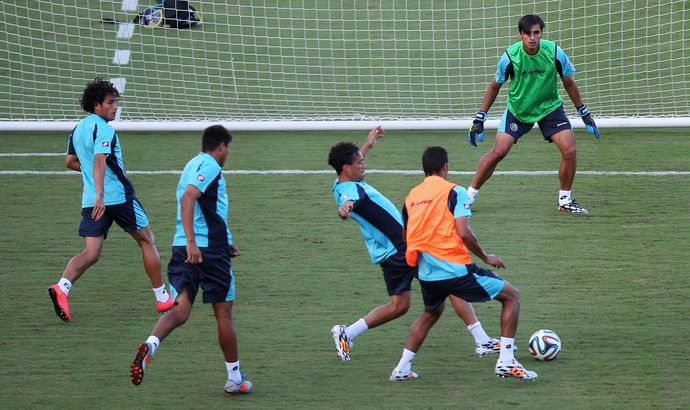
<point x="544" y="344"/>
<point x="152" y="16"/>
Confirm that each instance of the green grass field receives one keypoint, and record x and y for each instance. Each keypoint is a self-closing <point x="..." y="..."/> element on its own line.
<point x="612" y="284"/>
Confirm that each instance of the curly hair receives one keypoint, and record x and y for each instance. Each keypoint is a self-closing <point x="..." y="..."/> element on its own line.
<point x="95" y="93"/>
<point x="342" y="153"/>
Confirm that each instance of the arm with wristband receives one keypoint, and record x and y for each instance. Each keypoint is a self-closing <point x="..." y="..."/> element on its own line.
<point x="574" y="94"/>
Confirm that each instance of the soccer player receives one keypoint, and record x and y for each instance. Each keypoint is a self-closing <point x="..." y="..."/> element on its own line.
<point x="381" y="226"/>
<point x="532" y="65"/>
<point x="108" y="196"/>
<point x="201" y="253"/>
<point x="436" y="217"/>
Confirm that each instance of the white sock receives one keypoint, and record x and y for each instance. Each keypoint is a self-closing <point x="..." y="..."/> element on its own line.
<point x="472" y="192"/>
<point x="405" y="364"/>
<point x="564" y="197"/>
<point x="356" y="329"/>
<point x="234" y="372"/>
<point x="65" y="285"/>
<point x="507" y="348"/>
<point x="154" y="342"/>
<point x="479" y="334"/>
<point x="161" y="294"/>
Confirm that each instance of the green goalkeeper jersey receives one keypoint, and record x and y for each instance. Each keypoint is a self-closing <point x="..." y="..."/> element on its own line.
<point x="534" y="84"/>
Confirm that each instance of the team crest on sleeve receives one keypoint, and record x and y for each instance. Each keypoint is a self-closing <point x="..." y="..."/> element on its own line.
<point x="344" y="196"/>
<point x="200" y="178"/>
<point x="105" y="144"/>
<point x="466" y="206"/>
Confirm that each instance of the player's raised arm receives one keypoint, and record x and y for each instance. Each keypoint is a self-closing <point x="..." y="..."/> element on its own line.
<point x="374" y="135"/>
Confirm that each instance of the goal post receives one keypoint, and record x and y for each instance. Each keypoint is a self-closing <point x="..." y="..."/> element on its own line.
<point x="332" y="64"/>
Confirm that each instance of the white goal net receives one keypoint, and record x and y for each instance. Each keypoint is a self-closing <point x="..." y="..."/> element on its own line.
<point x="301" y="64"/>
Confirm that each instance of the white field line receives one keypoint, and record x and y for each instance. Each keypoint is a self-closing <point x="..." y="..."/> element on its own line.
<point x="369" y="171"/>
<point x="32" y="154"/>
<point x="303" y="172"/>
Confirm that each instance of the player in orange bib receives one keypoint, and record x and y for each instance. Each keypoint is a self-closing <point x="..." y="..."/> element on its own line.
<point x="439" y="239"/>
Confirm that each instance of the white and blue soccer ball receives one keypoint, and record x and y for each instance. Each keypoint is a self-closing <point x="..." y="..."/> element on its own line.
<point x="544" y="344"/>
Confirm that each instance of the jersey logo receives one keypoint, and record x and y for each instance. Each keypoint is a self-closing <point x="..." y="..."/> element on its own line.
<point x="422" y="202"/>
<point x="200" y="178"/>
<point x="536" y="71"/>
<point x="105" y="144"/>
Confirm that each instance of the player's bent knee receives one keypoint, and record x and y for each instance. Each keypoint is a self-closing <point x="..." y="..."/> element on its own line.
<point x="509" y="293"/>
<point x="401" y="309"/>
<point x="497" y="155"/>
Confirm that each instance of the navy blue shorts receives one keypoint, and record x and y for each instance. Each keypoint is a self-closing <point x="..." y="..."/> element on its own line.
<point x="213" y="275"/>
<point x="398" y="274"/>
<point x="553" y="123"/>
<point x="130" y="216"/>
<point x="477" y="286"/>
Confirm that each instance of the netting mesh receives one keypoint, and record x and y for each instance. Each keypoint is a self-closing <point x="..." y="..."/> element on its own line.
<point x="306" y="60"/>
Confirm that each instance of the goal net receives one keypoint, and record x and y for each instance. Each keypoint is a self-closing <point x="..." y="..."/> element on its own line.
<point x="302" y="64"/>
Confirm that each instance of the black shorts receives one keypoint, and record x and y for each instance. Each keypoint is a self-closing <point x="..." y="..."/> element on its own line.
<point x="398" y="274"/>
<point x="130" y="216"/>
<point x="553" y="123"/>
<point x="213" y="275"/>
<point x="479" y="285"/>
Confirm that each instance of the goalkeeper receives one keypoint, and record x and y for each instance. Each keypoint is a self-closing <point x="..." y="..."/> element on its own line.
<point x="532" y="65"/>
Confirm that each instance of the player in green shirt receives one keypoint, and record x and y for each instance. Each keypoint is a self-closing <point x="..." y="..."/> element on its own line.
<point x="533" y="67"/>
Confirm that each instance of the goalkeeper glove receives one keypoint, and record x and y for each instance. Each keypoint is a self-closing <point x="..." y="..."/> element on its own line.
<point x="476" y="132"/>
<point x="589" y="121"/>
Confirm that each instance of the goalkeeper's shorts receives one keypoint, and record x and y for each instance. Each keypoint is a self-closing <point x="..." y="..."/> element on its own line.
<point x="551" y="124"/>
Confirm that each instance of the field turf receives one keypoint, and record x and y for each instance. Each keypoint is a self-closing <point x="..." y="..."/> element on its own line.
<point x="612" y="284"/>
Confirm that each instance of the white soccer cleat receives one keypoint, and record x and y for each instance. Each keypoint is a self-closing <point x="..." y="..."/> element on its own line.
<point x="572" y="207"/>
<point x="492" y="347"/>
<point x="514" y="370"/>
<point x="233" y="388"/>
<point x="342" y="342"/>
<point x="398" y="376"/>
